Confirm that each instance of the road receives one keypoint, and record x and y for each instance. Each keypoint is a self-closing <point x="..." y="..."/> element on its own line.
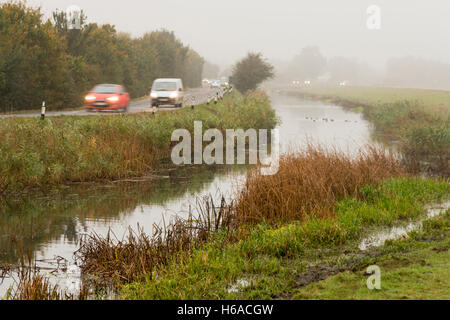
<point x="192" y="97"/>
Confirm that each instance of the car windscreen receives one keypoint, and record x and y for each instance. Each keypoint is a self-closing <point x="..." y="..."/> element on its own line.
<point x="164" y="86"/>
<point x="105" y="89"/>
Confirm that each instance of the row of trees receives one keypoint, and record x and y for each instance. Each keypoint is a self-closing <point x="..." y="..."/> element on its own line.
<point x="47" y="60"/>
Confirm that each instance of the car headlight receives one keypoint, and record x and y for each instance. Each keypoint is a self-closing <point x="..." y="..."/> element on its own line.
<point x="174" y="95"/>
<point x="90" y="98"/>
<point x="113" y="99"/>
<point x="154" y="95"/>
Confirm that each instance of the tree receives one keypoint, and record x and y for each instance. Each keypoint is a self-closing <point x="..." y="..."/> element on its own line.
<point x="309" y="64"/>
<point x="33" y="66"/>
<point x="250" y="72"/>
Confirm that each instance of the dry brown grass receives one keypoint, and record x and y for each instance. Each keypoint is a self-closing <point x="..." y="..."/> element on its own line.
<point x="115" y="261"/>
<point x="310" y="182"/>
<point x="31" y="285"/>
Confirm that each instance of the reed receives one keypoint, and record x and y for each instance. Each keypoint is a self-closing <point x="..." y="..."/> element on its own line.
<point x="309" y="183"/>
<point x="32" y="285"/>
<point x="138" y="255"/>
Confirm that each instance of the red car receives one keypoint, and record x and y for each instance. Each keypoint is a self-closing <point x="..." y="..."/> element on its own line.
<point x="105" y="97"/>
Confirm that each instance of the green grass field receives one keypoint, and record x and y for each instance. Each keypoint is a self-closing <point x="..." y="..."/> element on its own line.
<point x="366" y="96"/>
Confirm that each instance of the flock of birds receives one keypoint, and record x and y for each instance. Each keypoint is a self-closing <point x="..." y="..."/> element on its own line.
<point x="326" y="120"/>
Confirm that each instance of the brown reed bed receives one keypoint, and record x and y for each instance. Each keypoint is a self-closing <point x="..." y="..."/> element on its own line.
<point x="29" y="283"/>
<point x="310" y="182"/>
<point x="138" y="255"/>
<point x="32" y="285"/>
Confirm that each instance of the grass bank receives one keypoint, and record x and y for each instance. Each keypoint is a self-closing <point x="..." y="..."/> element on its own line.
<point x="416" y="267"/>
<point x="324" y="201"/>
<point x="313" y="259"/>
<point x="314" y="235"/>
<point x="419" y="120"/>
<point x="65" y="149"/>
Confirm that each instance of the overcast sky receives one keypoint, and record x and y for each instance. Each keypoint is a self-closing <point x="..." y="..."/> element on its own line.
<point x="224" y="30"/>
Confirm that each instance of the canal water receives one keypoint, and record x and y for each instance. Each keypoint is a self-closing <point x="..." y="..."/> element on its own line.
<point x="47" y="228"/>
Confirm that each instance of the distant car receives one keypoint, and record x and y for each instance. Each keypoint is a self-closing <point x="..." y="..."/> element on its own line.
<point x="206" y="83"/>
<point x="215" y="84"/>
<point x="107" y="97"/>
<point x="224" y="82"/>
<point x="167" y="92"/>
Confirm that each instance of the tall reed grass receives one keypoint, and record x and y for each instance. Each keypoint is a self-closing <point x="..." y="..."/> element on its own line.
<point x="310" y="182"/>
<point x="32" y="285"/>
<point x="138" y="256"/>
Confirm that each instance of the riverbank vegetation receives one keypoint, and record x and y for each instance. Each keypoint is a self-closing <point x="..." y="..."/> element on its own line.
<point x="416" y="267"/>
<point x="65" y="149"/>
<point x="241" y="250"/>
<point x="417" y="120"/>
<point x="47" y="60"/>
<point x="278" y="262"/>
<point x="270" y="257"/>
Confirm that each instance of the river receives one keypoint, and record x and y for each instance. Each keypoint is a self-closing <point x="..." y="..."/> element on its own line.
<point x="47" y="227"/>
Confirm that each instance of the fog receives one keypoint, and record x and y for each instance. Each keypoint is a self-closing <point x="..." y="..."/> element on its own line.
<point x="224" y="31"/>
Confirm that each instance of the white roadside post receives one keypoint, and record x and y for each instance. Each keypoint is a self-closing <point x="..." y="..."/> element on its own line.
<point x="43" y="111"/>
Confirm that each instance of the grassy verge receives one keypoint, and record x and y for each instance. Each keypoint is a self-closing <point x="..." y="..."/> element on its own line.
<point x="274" y="261"/>
<point x="418" y="119"/>
<point x="415" y="268"/>
<point x="66" y="149"/>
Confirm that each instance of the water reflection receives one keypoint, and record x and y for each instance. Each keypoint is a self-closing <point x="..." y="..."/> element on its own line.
<point x="30" y="224"/>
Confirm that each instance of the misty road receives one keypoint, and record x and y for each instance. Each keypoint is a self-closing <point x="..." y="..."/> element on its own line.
<point x="192" y="97"/>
